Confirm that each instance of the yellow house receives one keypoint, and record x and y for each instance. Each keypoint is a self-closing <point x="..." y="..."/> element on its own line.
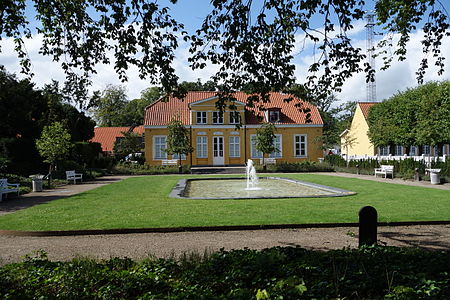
<point x="355" y="141"/>
<point x="217" y="140"/>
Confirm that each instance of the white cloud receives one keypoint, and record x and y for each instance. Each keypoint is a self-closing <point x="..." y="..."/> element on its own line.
<point x="400" y="76"/>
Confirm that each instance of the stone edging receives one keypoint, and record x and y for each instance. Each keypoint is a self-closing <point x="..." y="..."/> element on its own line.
<point x="206" y="228"/>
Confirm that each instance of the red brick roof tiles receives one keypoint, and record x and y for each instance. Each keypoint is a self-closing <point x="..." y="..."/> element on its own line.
<point x="365" y="106"/>
<point x="106" y="136"/>
<point x="160" y="113"/>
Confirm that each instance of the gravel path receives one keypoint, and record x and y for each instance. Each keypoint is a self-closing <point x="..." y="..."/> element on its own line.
<point x="13" y="248"/>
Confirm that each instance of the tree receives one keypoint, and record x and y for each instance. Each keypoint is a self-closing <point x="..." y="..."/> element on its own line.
<point x="24" y="112"/>
<point x="151" y="94"/>
<point x="265" y="138"/>
<point x="107" y="108"/>
<point x="251" y="42"/>
<point x="21" y="121"/>
<point x="178" y="141"/>
<point x="130" y="143"/>
<point x="419" y="116"/>
<point x="80" y="126"/>
<point x="54" y="144"/>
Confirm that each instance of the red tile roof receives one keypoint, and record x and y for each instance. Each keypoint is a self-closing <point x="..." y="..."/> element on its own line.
<point x="160" y="113"/>
<point x="106" y="136"/>
<point x="365" y="106"/>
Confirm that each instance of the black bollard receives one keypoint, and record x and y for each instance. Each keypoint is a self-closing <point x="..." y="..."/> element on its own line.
<point x="368" y="226"/>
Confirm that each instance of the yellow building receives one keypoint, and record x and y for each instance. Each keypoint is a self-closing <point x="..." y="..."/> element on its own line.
<point x="355" y="141"/>
<point x="217" y="140"/>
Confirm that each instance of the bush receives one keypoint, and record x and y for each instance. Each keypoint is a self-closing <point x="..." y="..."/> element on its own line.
<point x="305" y="166"/>
<point x="274" y="273"/>
<point x="128" y="168"/>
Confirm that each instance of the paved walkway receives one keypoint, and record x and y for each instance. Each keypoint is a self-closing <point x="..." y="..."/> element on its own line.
<point x="13" y="248"/>
<point x="426" y="184"/>
<point x="34" y="198"/>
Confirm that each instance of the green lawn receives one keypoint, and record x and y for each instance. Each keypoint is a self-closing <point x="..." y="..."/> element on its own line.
<point x="144" y="202"/>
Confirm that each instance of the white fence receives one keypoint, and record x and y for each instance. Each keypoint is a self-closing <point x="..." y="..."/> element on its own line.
<point x="425" y="158"/>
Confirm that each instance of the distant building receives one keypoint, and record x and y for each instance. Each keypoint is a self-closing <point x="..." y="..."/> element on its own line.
<point x="107" y="136"/>
<point x="355" y="141"/>
<point x="217" y="140"/>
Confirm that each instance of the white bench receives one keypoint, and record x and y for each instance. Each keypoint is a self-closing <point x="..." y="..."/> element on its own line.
<point x="6" y="188"/>
<point x="169" y="162"/>
<point x="71" y="175"/>
<point x="385" y="170"/>
<point x="268" y="161"/>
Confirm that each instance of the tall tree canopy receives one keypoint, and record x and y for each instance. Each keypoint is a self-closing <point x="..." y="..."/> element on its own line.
<point x="107" y="109"/>
<point x="419" y="116"/>
<point x="24" y="111"/>
<point x="250" y="42"/>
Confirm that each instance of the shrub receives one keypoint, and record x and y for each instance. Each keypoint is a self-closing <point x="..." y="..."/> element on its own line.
<point x="305" y="166"/>
<point x="273" y="273"/>
<point x="128" y="168"/>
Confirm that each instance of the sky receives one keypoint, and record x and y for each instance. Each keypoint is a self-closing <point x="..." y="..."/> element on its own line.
<point x="400" y="76"/>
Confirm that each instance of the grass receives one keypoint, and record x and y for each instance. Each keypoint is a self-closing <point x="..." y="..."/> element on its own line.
<point x="143" y="202"/>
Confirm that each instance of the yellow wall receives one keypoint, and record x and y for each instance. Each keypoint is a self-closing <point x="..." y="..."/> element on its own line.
<point x="357" y="140"/>
<point x="314" y="151"/>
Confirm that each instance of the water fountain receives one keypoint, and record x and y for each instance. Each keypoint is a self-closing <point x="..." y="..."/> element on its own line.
<point x="270" y="187"/>
<point x="252" y="178"/>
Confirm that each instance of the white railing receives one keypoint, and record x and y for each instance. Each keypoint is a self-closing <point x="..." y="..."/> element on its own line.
<point x="424" y="157"/>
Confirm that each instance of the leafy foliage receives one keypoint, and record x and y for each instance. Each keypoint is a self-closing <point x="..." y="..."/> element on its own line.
<point x="305" y="166"/>
<point x="130" y="143"/>
<point x="265" y="138"/>
<point x="24" y="112"/>
<point x="251" y="42"/>
<point x="419" y="116"/>
<point x="54" y="143"/>
<point x="273" y="273"/>
<point x="178" y="139"/>
<point x="107" y="108"/>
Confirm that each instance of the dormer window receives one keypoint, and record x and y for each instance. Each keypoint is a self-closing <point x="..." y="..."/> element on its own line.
<point x="274" y="116"/>
<point x="217" y="117"/>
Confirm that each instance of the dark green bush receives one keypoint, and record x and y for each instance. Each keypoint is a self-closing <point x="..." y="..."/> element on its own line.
<point x="128" y="168"/>
<point x="305" y="166"/>
<point x="274" y="273"/>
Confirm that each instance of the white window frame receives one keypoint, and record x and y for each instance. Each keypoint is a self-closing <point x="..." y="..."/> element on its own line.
<point x="398" y="147"/>
<point x="202" y="146"/>
<point x="278" y="143"/>
<point x="234" y="146"/>
<point x="426" y="149"/>
<point x="299" y="143"/>
<point x="254" y="153"/>
<point x="412" y="150"/>
<point x="201" y="117"/>
<point x="384" y="151"/>
<point x="161" y="147"/>
<point x="235" y="117"/>
<point x="217" y="117"/>
<point x="276" y="114"/>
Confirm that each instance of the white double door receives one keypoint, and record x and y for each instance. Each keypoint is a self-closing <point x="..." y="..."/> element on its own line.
<point x="218" y="153"/>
